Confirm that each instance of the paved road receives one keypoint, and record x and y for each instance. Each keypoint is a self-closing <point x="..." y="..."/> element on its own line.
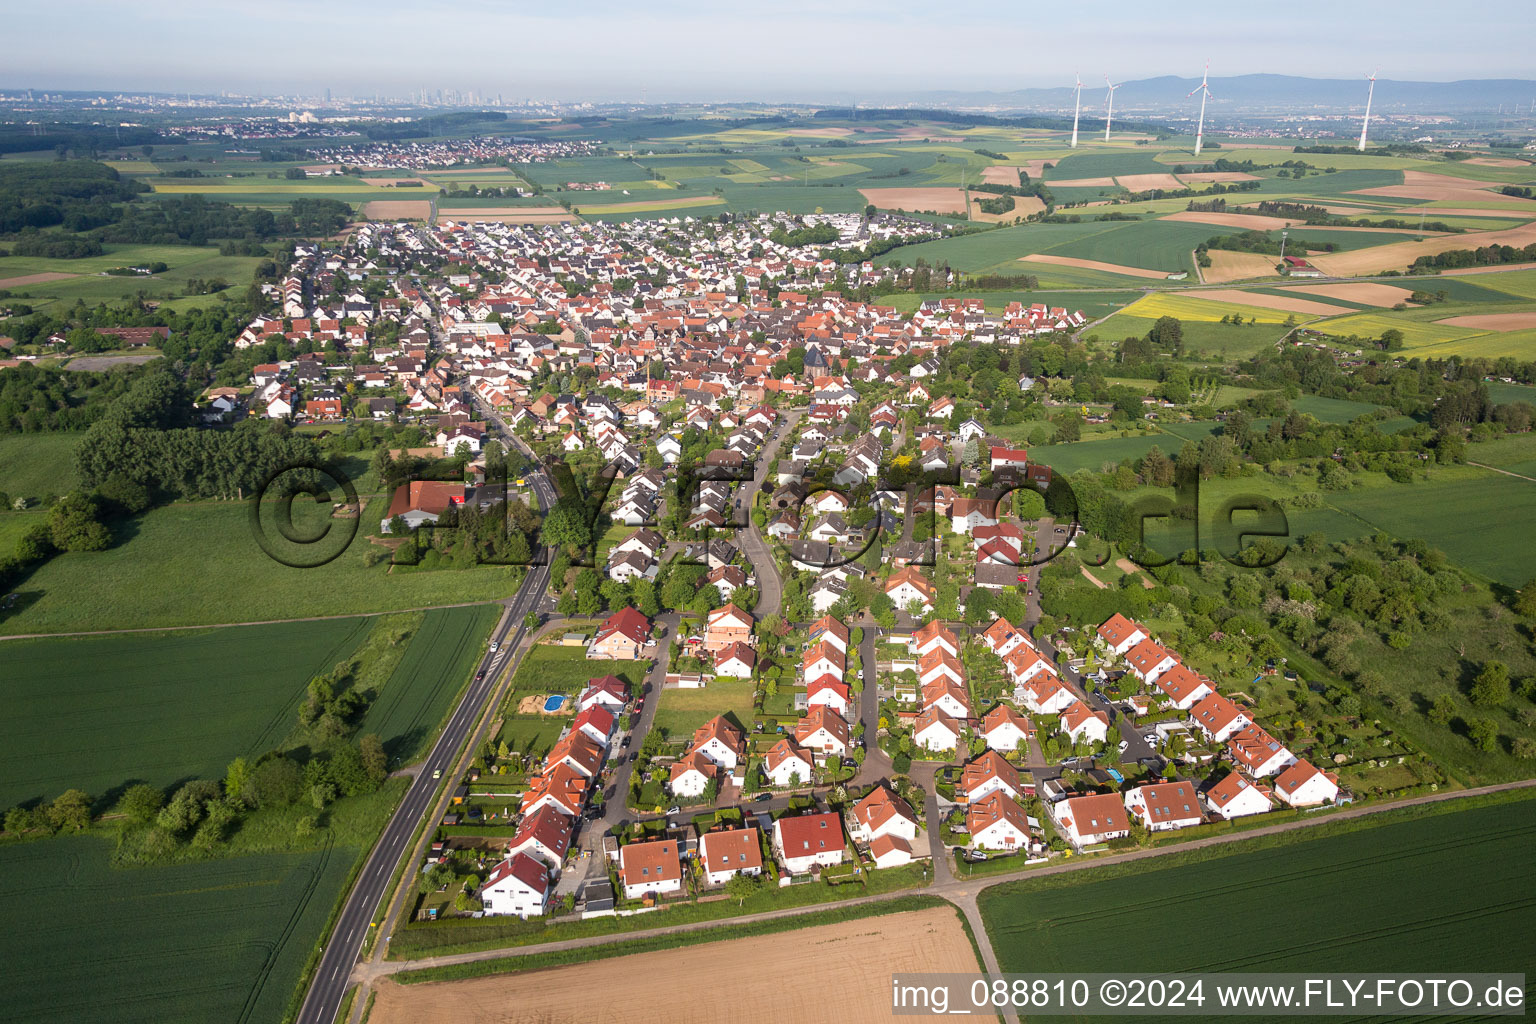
<point x="770" y="589"/>
<point x="331" y="978"/>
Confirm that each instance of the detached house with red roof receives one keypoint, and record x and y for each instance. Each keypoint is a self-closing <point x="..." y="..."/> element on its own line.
<point x="1218" y="718"/>
<point x="622" y="637"/>
<point x="1121" y="634"/>
<point x="1149" y="659"/>
<point x="787" y="765"/>
<point x="544" y="835"/>
<point x="809" y="841"/>
<point x="882" y="813"/>
<point x="720" y="741"/>
<point x="724" y="855"/>
<point x="998" y="822"/>
<point x="691" y="775"/>
<point x="1086" y="820"/>
<point x="1005" y="729"/>
<point x="1304" y="785"/>
<point x="1082" y="723"/>
<point x="652" y="867"/>
<point x="824" y="731"/>
<point x="422" y="501"/>
<point x="1236" y="797"/>
<point x="1258" y="753"/>
<point x="989" y="773"/>
<point x="518" y="886"/>
<point x="1184" y="687"/>
<point x="1165" y="806"/>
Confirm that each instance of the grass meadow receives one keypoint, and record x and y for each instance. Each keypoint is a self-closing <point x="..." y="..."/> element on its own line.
<point x="199" y="563"/>
<point x="32" y="465"/>
<point x="682" y="711"/>
<point x="1308" y="902"/>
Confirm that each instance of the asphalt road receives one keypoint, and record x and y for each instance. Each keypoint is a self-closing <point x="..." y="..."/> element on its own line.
<point x="331" y="978"/>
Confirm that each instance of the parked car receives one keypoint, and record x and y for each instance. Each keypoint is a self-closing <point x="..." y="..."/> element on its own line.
<point x="674" y="809"/>
<point x="762" y="798"/>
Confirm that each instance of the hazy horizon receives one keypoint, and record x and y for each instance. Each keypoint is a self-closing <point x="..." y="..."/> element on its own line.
<point x="685" y="51"/>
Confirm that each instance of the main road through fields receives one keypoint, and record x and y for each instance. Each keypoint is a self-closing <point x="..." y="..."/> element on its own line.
<point x="329" y="984"/>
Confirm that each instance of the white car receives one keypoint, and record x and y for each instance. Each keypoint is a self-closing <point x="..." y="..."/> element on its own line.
<point x="495" y="646"/>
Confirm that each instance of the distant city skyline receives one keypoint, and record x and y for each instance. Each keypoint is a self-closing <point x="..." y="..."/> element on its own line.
<point x="684" y="51"/>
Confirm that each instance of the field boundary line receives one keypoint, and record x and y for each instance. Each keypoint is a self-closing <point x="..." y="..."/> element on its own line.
<point x="254" y="622"/>
<point x="1496" y="469"/>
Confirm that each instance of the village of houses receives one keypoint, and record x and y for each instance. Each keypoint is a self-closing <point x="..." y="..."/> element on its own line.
<point x="750" y="411"/>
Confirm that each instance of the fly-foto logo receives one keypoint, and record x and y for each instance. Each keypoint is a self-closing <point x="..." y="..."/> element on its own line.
<point x="821" y="518"/>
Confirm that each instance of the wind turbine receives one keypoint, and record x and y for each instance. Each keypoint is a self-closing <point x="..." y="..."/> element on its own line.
<point x="1077" y="107"/>
<point x="1367" y="122"/>
<point x="1109" y="107"/>
<point x="1204" y="91"/>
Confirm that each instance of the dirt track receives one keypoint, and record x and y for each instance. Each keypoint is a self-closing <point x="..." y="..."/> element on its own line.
<point x="792" y="976"/>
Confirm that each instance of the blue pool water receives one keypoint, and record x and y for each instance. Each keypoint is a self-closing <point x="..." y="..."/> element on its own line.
<point x="554" y="702"/>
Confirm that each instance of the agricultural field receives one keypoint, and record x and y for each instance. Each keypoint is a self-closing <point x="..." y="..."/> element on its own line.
<point x="1327" y="900"/>
<point x="98" y="713"/>
<point x="218" y="940"/>
<point x="682" y="711"/>
<point x="199" y="563"/>
<point x="818" y="957"/>
<point x="1480" y="519"/>
<point x="420" y="692"/>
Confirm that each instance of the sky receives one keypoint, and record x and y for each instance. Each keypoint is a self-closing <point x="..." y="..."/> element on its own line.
<point x="784" y="51"/>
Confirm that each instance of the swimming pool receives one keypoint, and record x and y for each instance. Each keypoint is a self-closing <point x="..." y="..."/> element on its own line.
<point x="554" y="702"/>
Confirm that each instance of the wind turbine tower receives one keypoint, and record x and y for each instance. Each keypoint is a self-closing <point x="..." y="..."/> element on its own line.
<point x="1109" y="107"/>
<point x="1204" y="91"/>
<point x="1077" y="107"/>
<point x="1366" y="124"/>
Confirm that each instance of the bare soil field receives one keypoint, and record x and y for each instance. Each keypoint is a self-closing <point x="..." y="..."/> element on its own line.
<point x="936" y="198"/>
<point x="1398" y="255"/>
<point x="1281" y="302"/>
<point x="792" y="976"/>
<point x="26" y="279"/>
<point x="1000" y="175"/>
<point x="397" y="209"/>
<point x="1218" y="176"/>
<point x="1084" y="183"/>
<point x="1444" y="187"/>
<point x="1493" y="321"/>
<point x="1237" y="266"/>
<point x="1035" y="168"/>
<point x="1113" y="268"/>
<point x="1143" y="182"/>
<point x="1371" y="294"/>
<point x="1498" y="161"/>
